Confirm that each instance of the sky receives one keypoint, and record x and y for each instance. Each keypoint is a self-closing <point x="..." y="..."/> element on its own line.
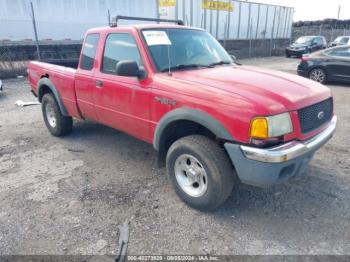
<point x="314" y="9"/>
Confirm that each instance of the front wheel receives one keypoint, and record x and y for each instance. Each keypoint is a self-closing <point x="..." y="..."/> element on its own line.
<point x="318" y="75"/>
<point x="200" y="172"/>
<point x="55" y="121"/>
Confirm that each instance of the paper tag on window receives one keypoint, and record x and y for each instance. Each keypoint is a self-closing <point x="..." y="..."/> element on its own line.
<point x="156" y="38"/>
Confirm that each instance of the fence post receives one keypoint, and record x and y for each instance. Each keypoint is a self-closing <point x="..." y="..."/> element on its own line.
<point x="225" y="32"/>
<point x="239" y="20"/>
<point x="35" y="31"/>
<point x="267" y="16"/>
<point x="332" y="34"/>
<point x="249" y="16"/>
<point x="273" y="30"/>
<point x="157" y="8"/>
<point x="257" y="23"/>
<point x="278" y="22"/>
<point x="228" y="22"/>
<point x="217" y="23"/>
<point x="250" y="37"/>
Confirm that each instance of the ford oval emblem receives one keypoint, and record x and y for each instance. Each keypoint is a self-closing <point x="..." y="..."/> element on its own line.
<point x="320" y="115"/>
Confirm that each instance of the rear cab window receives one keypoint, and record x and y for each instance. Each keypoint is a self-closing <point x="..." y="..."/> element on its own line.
<point x="89" y="51"/>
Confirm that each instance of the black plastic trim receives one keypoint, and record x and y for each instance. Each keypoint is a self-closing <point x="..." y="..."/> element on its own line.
<point x="193" y="115"/>
<point x="122" y="17"/>
<point x="46" y="82"/>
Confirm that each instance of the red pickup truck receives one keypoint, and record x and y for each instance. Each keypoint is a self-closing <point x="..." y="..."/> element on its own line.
<point x="208" y="117"/>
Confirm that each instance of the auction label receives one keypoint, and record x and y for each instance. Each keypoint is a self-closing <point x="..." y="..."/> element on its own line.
<point x="167" y="3"/>
<point x="156" y="37"/>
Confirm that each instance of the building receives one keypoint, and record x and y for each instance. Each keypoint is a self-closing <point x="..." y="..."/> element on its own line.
<point x="69" y="19"/>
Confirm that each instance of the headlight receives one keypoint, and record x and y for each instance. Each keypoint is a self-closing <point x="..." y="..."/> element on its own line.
<point x="272" y="126"/>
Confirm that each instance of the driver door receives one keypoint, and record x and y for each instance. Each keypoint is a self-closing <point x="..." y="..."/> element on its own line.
<point x="122" y="102"/>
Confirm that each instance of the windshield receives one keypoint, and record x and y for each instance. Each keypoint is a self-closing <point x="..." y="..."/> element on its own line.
<point x="184" y="49"/>
<point x="338" y="39"/>
<point x="303" y="40"/>
<point x="341" y="39"/>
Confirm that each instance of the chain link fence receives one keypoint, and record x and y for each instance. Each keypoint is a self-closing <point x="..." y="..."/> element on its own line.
<point x="15" y="55"/>
<point x="329" y="28"/>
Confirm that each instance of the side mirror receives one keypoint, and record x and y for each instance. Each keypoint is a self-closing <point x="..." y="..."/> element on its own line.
<point x="129" y="68"/>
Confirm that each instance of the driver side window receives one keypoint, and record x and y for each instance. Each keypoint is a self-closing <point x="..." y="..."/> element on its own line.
<point x="118" y="47"/>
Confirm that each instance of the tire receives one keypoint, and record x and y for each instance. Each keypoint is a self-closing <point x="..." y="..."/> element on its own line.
<point x="199" y="153"/>
<point x="318" y="75"/>
<point x="58" y="124"/>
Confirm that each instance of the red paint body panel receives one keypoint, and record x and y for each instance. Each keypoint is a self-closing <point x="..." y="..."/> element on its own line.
<point x="231" y="94"/>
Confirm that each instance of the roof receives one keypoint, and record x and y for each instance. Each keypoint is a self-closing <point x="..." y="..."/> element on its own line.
<point x="142" y="26"/>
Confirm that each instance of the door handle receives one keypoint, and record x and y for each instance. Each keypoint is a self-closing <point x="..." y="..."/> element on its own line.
<point x="99" y="83"/>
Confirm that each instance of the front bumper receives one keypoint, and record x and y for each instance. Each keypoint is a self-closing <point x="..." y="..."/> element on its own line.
<point x="268" y="166"/>
<point x="293" y="52"/>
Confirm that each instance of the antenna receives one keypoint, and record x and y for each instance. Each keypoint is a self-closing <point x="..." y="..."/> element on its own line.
<point x="168" y="47"/>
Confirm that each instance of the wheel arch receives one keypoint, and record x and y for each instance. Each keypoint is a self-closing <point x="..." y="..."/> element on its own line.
<point x="324" y="68"/>
<point x="182" y="122"/>
<point x="46" y="86"/>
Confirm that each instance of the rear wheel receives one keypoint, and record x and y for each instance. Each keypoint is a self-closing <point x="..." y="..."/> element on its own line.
<point x="200" y="172"/>
<point x="55" y="121"/>
<point x="318" y="75"/>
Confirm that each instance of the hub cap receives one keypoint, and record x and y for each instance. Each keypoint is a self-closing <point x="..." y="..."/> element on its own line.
<point x="317" y="75"/>
<point x="50" y="115"/>
<point x="191" y="175"/>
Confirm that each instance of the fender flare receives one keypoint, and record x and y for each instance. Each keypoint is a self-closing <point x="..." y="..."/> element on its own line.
<point x="47" y="82"/>
<point x="193" y="115"/>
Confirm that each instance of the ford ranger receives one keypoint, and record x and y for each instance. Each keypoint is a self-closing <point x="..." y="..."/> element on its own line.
<point x="209" y="118"/>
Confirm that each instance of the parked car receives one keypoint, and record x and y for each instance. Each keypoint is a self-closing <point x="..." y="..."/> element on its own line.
<point x="207" y="117"/>
<point x="332" y="64"/>
<point x="306" y="44"/>
<point x="341" y="40"/>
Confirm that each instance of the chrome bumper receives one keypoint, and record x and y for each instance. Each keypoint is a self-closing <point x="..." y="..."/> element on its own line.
<point x="291" y="149"/>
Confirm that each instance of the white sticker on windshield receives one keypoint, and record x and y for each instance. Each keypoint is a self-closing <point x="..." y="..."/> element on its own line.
<point x="156" y="38"/>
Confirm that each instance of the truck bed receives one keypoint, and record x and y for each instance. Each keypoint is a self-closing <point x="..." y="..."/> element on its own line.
<point x="72" y="63"/>
<point x="62" y="77"/>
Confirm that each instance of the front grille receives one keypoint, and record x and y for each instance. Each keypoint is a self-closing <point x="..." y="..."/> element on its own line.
<point x="314" y="116"/>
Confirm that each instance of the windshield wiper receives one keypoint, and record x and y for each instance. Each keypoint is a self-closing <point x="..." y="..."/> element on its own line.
<point x="219" y="63"/>
<point x="183" y="66"/>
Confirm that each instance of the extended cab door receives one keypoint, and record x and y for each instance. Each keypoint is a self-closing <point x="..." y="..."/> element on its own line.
<point x="84" y="80"/>
<point x="122" y="102"/>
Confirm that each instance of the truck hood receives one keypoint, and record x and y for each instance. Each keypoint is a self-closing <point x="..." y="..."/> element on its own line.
<point x="276" y="91"/>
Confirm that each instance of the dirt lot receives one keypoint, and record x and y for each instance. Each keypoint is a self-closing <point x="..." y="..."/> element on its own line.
<point x="68" y="195"/>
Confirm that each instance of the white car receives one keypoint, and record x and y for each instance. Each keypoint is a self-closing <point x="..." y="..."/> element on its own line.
<point x="341" y="40"/>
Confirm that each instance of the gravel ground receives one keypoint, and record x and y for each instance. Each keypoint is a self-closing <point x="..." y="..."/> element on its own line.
<point x="68" y="195"/>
